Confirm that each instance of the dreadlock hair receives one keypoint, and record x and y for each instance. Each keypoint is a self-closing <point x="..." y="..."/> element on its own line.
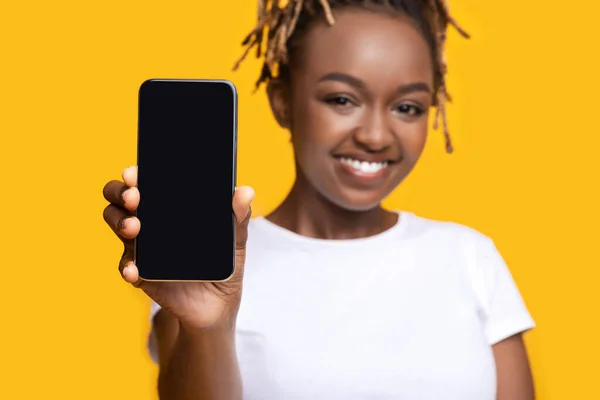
<point x="281" y="21"/>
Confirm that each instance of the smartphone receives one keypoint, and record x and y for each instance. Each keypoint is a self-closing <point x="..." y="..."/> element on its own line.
<point x="186" y="158"/>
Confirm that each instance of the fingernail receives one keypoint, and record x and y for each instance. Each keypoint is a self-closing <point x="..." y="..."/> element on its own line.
<point x="129" y="264"/>
<point x="126" y="193"/>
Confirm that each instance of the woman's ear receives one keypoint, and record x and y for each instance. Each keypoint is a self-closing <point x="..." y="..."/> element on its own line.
<point x="278" y="94"/>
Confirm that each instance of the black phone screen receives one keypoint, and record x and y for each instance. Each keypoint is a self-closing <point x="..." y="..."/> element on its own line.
<point x="187" y="138"/>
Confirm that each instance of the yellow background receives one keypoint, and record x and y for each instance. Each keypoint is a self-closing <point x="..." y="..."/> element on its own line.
<point x="524" y="172"/>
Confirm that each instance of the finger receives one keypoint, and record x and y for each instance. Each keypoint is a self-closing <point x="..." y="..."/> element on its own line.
<point x="242" y="201"/>
<point x="130" y="176"/>
<point x="129" y="271"/>
<point x="131" y="199"/>
<point x="123" y="224"/>
<point x="118" y="193"/>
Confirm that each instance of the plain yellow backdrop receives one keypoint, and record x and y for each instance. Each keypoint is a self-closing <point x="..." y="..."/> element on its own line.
<point x="525" y="172"/>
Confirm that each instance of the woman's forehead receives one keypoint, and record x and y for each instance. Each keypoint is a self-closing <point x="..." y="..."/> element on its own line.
<point x="366" y="40"/>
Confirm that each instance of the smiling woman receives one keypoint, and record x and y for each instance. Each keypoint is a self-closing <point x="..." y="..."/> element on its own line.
<point x="343" y="299"/>
<point x="335" y="78"/>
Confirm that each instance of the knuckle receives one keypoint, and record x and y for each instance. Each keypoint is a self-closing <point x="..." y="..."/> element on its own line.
<point x="240" y="244"/>
<point x="240" y="253"/>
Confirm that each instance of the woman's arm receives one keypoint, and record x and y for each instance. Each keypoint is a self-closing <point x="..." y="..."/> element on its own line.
<point x="196" y="364"/>
<point x="515" y="381"/>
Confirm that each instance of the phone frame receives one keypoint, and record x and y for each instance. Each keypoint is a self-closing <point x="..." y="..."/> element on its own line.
<point x="234" y="156"/>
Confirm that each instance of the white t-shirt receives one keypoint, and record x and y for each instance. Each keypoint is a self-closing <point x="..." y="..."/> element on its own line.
<point x="410" y="314"/>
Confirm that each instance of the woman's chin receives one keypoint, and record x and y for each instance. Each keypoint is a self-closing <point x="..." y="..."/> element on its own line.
<point x="357" y="200"/>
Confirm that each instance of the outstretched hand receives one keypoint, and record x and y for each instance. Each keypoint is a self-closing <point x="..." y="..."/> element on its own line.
<point x="197" y="304"/>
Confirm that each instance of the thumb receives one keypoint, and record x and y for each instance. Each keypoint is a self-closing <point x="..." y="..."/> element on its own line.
<point x="242" y="199"/>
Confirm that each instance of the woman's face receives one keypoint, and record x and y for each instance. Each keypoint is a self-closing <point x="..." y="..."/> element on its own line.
<point x="358" y="104"/>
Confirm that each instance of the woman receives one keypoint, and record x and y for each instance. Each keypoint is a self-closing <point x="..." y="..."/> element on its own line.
<point x="342" y="299"/>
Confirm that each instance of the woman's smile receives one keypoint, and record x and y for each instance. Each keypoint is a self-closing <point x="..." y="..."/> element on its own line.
<point x="363" y="171"/>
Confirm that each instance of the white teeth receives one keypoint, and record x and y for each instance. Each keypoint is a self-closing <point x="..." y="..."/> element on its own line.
<point x="363" y="166"/>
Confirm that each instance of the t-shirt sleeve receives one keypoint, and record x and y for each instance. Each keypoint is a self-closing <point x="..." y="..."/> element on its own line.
<point x="506" y="313"/>
<point x="152" y="345"/>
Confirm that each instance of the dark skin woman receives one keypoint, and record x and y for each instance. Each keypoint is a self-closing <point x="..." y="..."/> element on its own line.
<point x="357" y="81"/>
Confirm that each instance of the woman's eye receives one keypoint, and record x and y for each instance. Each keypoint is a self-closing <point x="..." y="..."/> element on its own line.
<point x="410" y="110"/>
<point x="340" y="101"/>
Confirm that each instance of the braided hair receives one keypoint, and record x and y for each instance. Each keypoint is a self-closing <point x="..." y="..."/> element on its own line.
<point x="280" y="22"/>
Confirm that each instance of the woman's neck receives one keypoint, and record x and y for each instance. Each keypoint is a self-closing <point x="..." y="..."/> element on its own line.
<point x="307" y="213"/>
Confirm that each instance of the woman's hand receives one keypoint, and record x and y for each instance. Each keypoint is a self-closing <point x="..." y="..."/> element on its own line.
<point x="196" y="305"/>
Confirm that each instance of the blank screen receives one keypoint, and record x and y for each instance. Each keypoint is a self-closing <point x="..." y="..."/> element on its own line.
<point x="186" y="178"/>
